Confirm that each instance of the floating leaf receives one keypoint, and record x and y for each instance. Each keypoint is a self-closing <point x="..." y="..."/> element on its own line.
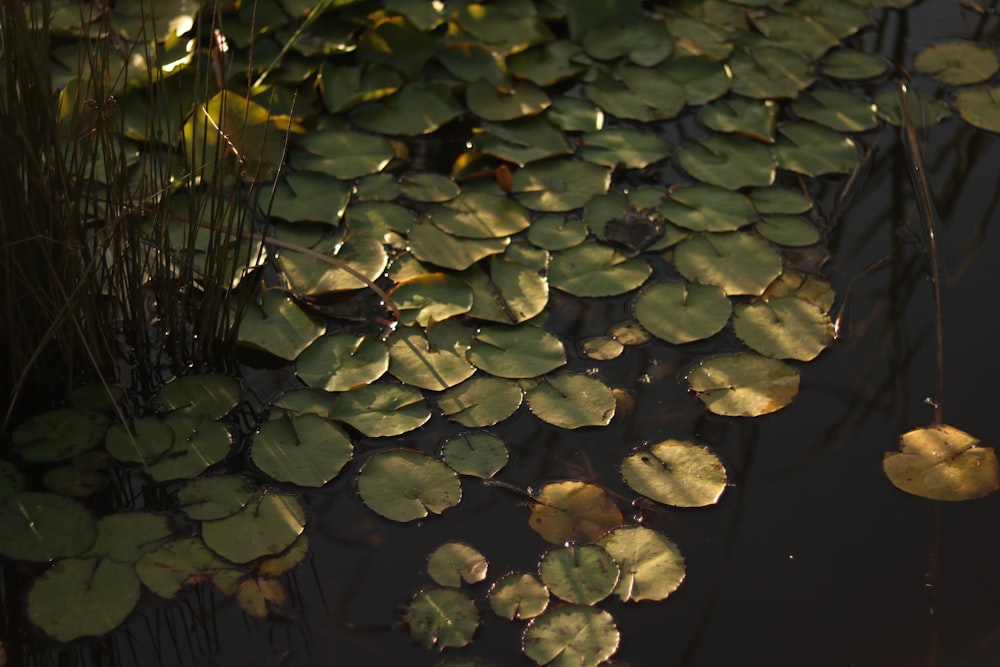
<point x="518" y="596"/>
<point x="143" y="441"/>
<point x="779" y="200"/>
<point x="344" y="87"/>
<point x="744" y="385"/>
<point x="637" y="94"/>
<point x="433" y="360"/>
<point x="518" y="101"/>
<point x="430" y="244"/>
<point x="83" y="597"/>
<point x="523" y="141"/>
<point x="958" y="63"/>
<point x="506" y="28"/>
<point x="925" y="110"/>
<point x="126" y="536"/>
<point x="559" y="185"/>
<point x="211" y="396"/>
<point x="768" y="72"/>
<point x="198" y="444"/>
<point x="431" y="297"/>
<point x="739" y="115"/>
<point x="571" y="635"/>
<point x="572" y="114"/>
<point x="181" y="562"/>
<point x="853" y="65"/>
<point x="681" y="313"/>
<point x="646" y="43"/>
<point x="481" y="215"/>
<point x="788" y="230"/>
<point x="268" y="525"/>
<point x="255" y="596"/>
<point x="429" y="187"/>
<point x="596" y="269"/>
<point x="285" y="562"/>
<point x="571" y="400"/>
<point x="626" y="146"/>
<point x="573" y="512"/>
<point x="43" y="526"/>
<point x="453" y="562"/>
<point x="381" y="410"/>
<point x="547" y="63"/>
<point x="481" y="401"/>
<point x="980" y="107"/>
<point x="941" y="462"/>
<point x="703" y="79"/>
<point x="342" y="153"/>
<point x="836" y="109"/>
<point x="510" y="293"/>
<point x="215" y="497"/>
<point x="521" y="351"/>
<point x="404" y="485"/>
<point x="278" y="326"/>
<point x="630" y="333"/>
<point x="74" y="482"/>
<point x="557" y="232"/>
<point x="303" y="449"/>
<point x="814" y="150"/>
<point x="579" y="575"/>
<point x="602" y="349"/>
<point x="652" y="566"/>
<point x="677" y="473"/>
<point x="342" y="362"/>
<point x="309" y="196"/>
<point x="60" y="434"/>
<point x="784" y="328"/>
<point x="311" y="275"/>
<point x="729" y="162"/>
<point x="479" y="454"/>
<point x="737" y="262"/>
<point x="442" y="617"/>
<point x="705" y="208"/>
<point x="799" y="34"/>
<point x="381" y="221"/>
<point x="418" y="108"/>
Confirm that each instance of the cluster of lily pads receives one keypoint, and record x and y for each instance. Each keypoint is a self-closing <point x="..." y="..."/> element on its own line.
<point x="436" y="169"/>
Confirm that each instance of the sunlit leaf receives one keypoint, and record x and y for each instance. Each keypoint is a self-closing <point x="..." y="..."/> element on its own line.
<point x="518" y="596"/>
<point x="506" y="28"/>
<point x="571" y="400"/>
<point x="397" y="43"/>
<point x="304" y="449"/>
<point x="268" y="525"/>
<point x="309" y="196"/>
<point x="442" y="617"/>
<point x="429" y="187"/>
<point x="278" y="326"/>
<point x="559" y="185"/>
<point x="925" y="110"/>
<point x="523" y="141"/>
<point x="381" y="410"/>
<point x="627" y="146"/>
<point x="638" y="93"/>
<point x="768" y="72"/>
<point x="345" y="86"/>
<point x="941" y="462"/>
<point x="572" y="114"/>
<point x="695" y="38"/>
<point x="677" y="473"/>
<point x="597" y="270"/>
<point x="342" y="153"/>
<point x="814" y="150"/>
<point x="744" y="385"/>
<point x="284" y="562"/>
<point x="478" y="453"/>
<point x="522" y="351"/>
<point x="602" y="349"/>
<point x="571" y="635"/>
<point x="651" y="564"/>
<point x="215" y="497"/>
<point x="312" y="275"/>
<point x="59" y="434"/>
<point x="471" y="61"/>
<point x="681" y="313"/>
<point x="788" y="230"/>
<point x="210" y="396"/>
<point x="704" y="208"/>
<point x="738" y="262"/>
<point x="958" y="63"/>
<point x="418" y="108"/>
<point x="579" y="574"/>
<point x="800" y="34"/>
<point x="740" y="115"/>
<point x="433" y="360"/>
<point x="729" y="162"/>
<point x="547" y="63"/>
<point x="510" y="293"/>
<point x="704" y="80"/>
<point x="453" y="562"/>
<point x="573" y="512"/>
<point x="645" y="43"/>
<point x="342" y="362"/>
<point x="557" y="232"/>
<point x="481" y="215"/>
<point x="430" y="244"/>
<point x="523" y="99"/>
<point x="43" y="526"/>
<point x="836" y="109"/>
<point x="481" y="401"/>
<point x="432" y="297"/>
<point x="198" y="445"/>
<point x="404" y="485"/>
<point x="779" y="200"/>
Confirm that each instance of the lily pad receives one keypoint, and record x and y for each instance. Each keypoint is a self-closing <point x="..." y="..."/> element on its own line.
<point x="645" y="43"/>
<point x="557" y="232"/>
<point x="788" y="230"/>
<point x="579" y="574"/>
<point x="626" y="146"/>
<point x="740" y="115"/>
<point x="418" y="108"/>
<point x="602" y="348"/>
<point x="652" y="566"/>
<point x="737" y="262"/>
<point x="980" y="107"/>
<point x="769" y="72"/>
<point x="342" y="153"/>
<point x="522" y="351"/>
<point x="571" y="400"/>
<point x="925" y="110"/>
<point x="799" y="34"/>
<point x="268" y="525"/>
<point x="405" y="485"/>
<point x="573" y="512"/>
<point x="433" y="360"/>
<point x="342" y="362"/>
<point x="454" y="562"/>
<point x="836" y="109"/>
<point x="478" y="454"/>
<point x="681" y="313"/>
<point x="559" y="185"/>
<point x="257" y="595"/>
<point x="143" y="441"/>
<point x="310" y="274"/>
<point x="431" y="297"/>
<point x="744" y="385"/>
<point x="181" y="562"/>
<point x="481" y="215"/>
<point x="941" y="462"/>
<point x="958" y="63"/>
<point x="74" y="482"/>
<point x="779" y="200"/>
<point x="126" y="536"/>
<point x="509" y="293"/>
<point x="481" y="401"/>
<point x="442" y="617"/>
<point x="429" y="187"/>
<point x="382" y="410"/>
<point x="597" y="269"/>
<point x="279" y="326"/>
<point x="215" y="497"/>
<point x="303" y="449"/>
<point x="209" y="395"/>
<point x="677" y="473"/>
<point x="705" y="208"/>
<point x="729" y="162"/>
<point x="814" y="150"/>
<point x="518" y="596"/>
<point x="309" y="196"/>
<point x="345" y="87"/>
<point x="547" y="63"/>
<point x="571" y="635"/>
<point x="852" y="65"/>
<point x="83" y="597"/>
<point x="518" y="101"/>
<point x="44" y="526"/>
<point x="430" y="244"/>
<point x="784" y="328"/>
<point x="198" y="444"/>
<point x="60" y="434"/>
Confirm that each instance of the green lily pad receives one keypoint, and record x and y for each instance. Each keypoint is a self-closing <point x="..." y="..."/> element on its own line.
<point x="428" y="187"/>
<point x="518" y="101"/>
<point x="382" y="410"/>
<point x="382" y="221"/>
<point x="596" y="269"/>
<point x="799" y="34"/>
<point x="60" y="434"/>
<point x="215" y="497"/>
<point x="309" y="196"/>
<point x="268" y="525"/>
<point x="405" y="485"/>
<point x="418" y="108"/>
<point x="303" y="449"/>
<point x="312" y="275"/>
<point x="181" y="562"/>
<point x="788" y="230"/>
<point x="11" y="479"/>
<point x="729" y="162"/>
<point x="342" y="362"/>
<point x="83" y="597"/>
<point x="572" y="114"/>
<point x="342" y="153"/>
<point x="509" y="293"/>
<point x="681" y="313"/>
<point x="198" y="444"/>
<point x="739" y="115"/>
<point x="453" y="562"/>
<point x="557" y="232"/>
<point x="980" y="107"/>
<point x="546" y="64"/>
<point x="638" y="94"/>
<point x="738" y="262"/>
<point x="706" y="208"/>
<point x="143" y="441"/>
<point x="518" y="596"/>
<point x="571" y="400"/>
<point x="744" y="385"/>
<point x="652" y="566"/>
<point x="703" y="80"/>
<point x="814" y="150"/>
<point x="851" y="65"/>
<point x="571" y="635"/>
<point x="481" y="215"/>
<point x="836" y="109"/>
<point x="521" y="351"/>
<point x="208" y="395"/>
<point x="344" y="87"/>
<point x="925" y="110"/>
<point x="696" y="38"/>
<point x="126" y="536"/>
<point x="779" y="200"/>
<point x="558" y="185"/>
<point x="579" y="575"/>
<point x="394" y="41"/>
<point x="627" y="146"/>
<point x="471" y="61"/>
<point x="279" y="326"/>
<point x="784" y="328"/>
<point x="573" y="511"/>
<point x="645" y="43"/>
<point x="958" y="63"/>
<point x="431" y="297"/>
<point x="433" y="360"/>
<point x="286" y="561"/>
<point x="481" y="401"/>
<point x="602" y="348"/>
<point x="507" y="28"/>
<point x="768" y="72"/>
<point x="841" y="17"/>
<point x="677" y="473"/>
<point x="479" y="454"/>
<point x="442" y="617"/>
<point x="630" y="333"/>
<point x="430" y="244"/>
<point x="523" y="141"/>
<point x="941" y="462"/>
<point x="41" y="527"/>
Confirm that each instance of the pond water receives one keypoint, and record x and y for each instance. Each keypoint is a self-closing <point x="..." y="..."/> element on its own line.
<point x="811" y="557"/>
